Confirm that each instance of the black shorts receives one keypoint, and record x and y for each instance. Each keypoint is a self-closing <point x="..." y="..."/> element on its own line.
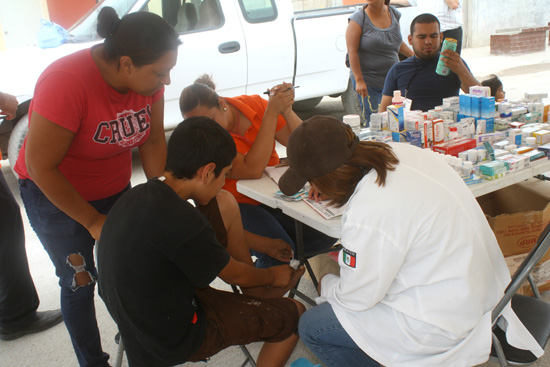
<point x="237" y="319"/>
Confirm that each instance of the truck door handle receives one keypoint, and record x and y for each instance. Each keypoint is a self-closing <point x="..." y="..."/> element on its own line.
<point x="229" y="47"/>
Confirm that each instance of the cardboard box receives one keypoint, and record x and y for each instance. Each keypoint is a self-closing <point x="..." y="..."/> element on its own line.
<point x="518" y="214"/>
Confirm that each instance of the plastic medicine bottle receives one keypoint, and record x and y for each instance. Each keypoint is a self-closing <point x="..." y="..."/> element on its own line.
<point x="397" y="100"/>
<point x="453" y="133"/>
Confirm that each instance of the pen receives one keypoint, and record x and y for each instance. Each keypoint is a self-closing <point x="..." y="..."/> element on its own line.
<point x="293" y="87"/>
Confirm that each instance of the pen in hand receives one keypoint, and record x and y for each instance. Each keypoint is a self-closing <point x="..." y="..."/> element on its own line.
<point x="268" y="92"/>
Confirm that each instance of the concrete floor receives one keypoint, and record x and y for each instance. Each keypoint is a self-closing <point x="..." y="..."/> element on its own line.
<point x="52" y="348"/>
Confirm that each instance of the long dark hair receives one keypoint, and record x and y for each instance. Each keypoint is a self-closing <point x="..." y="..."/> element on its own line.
<point x="201" y="93"/>
<point x="142" y="36"/>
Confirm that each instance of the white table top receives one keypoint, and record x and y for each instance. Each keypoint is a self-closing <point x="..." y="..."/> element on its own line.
<point x="262" y="190"/>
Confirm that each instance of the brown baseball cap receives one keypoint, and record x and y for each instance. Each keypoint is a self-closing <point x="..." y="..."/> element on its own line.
<point x="316" y="147"/>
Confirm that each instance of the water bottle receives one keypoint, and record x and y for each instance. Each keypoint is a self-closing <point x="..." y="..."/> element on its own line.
<point x="448" y="44"/>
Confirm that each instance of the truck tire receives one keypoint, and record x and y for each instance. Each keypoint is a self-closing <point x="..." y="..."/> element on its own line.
<point x="306" y="104"/>
<point x="17" y="137"/>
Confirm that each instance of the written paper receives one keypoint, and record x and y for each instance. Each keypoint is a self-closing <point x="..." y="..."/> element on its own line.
<point x="326" y="211"/>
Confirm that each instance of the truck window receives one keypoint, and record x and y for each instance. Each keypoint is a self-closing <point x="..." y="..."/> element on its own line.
<point x="194" y="15"/>
<point x="258" y="11"/>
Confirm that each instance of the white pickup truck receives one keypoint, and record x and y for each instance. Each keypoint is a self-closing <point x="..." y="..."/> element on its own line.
<point x="246" y="45"/>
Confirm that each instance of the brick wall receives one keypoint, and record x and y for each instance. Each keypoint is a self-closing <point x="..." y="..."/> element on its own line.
<point x="527" y="40"/>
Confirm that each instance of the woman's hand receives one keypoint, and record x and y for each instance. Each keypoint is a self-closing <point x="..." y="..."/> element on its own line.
<point x="8" y="105"/>
<point x="281" y="98"/>
<point x="96" y="226"/>
<point x="361" y="88"/>
<point x="314" y="194"/>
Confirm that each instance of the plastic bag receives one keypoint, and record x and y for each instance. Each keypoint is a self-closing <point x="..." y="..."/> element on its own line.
<point x="51" y="34"/>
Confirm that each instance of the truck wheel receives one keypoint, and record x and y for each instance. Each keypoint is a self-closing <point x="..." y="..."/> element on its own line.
<point x="306" y="104"/>
<point x="17" y="137"/>
<point x="351" y="102"/>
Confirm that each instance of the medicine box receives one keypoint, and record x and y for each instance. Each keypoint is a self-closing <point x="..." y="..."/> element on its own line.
<point x="414" y="137"/>
<point x="514" y="163"/>
<point x="523" y="150"/>
<point x="493" y="168"/>
<point x="542" y="137"/>
<point x="516" y="125"/>
<point x="465" y="104"/>
<point x="396" y="118"/>
<point x="475" y="106"/>
<point x="535" y="154"/>
<point x="546" y="149"/>
<point x="481" y="91"/>
<point x="496" y="176"/>
<point x="491" y="137"/>
<point x="487" y="106"/>
<point x="455" y="146"/>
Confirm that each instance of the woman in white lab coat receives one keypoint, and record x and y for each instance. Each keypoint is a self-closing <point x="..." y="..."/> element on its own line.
<point x="420" y="271"/>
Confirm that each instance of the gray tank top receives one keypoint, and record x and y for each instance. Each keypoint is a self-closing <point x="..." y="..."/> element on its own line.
<point x="378" y="48"/>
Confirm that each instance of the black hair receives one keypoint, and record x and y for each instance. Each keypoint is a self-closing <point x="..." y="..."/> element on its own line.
<point x="494" y="83"/>
<point x="425" y="18"/>
<point x="196" y="142"/>
<point x="142" y="36"/>
<point x="201" y="93"/>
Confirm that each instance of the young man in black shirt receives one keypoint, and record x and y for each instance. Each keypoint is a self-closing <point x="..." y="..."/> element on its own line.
<point x="157" y="256"/>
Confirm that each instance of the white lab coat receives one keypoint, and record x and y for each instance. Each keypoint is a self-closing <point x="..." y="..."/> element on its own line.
<point x="428" y="269"/>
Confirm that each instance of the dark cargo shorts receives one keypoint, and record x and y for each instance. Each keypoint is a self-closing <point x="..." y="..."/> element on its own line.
<point x="237" y="319"/>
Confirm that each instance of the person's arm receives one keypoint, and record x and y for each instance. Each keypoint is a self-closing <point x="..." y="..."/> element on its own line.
<point x="404" y="49"/>
<point x="244" y="275"/>
<point x="384" y="103"/>
<point x="153" y="151"/>
<point x="252" y="164"/>
<point x="453" y="4"/>
<point x="240" y="242"/>
<point x="353" y="37"/>
<point x="8" y="105"/>
<point x="47" y="144"/>
<point x="292" y="122"/>
<point x="454" y="62"/>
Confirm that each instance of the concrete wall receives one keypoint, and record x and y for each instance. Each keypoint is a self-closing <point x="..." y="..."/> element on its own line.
<point x="482" y="18"/>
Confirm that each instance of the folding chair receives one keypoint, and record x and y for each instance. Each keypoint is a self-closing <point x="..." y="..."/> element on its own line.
<point x="533" y="312"/>
<point x="303" y="258"/>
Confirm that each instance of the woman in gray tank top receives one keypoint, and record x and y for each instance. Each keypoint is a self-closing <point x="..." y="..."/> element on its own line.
<point x="373" y="39"/>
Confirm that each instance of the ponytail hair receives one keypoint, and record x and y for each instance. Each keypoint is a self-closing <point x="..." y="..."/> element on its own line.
<point x="201" y="93"/>
<point x="340" y="184"/>
<point x="142" y="36"/>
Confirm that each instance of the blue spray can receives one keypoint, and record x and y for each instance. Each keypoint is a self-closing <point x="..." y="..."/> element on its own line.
<point x="448" y="44"/>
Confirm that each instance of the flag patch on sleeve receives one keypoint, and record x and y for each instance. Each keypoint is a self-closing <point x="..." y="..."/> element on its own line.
<point x="349" y="258"/>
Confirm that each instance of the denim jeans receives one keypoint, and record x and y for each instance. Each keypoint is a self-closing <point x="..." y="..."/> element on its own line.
<point x="61" y="236"/>
<point x="272" y="223"/>
<point x="369" y="104"/>
<point x="323" y="334"/>
<point x="18" y="297"/>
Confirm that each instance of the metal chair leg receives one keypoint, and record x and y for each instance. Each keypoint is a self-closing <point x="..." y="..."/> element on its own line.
<point x="120" y="353"/>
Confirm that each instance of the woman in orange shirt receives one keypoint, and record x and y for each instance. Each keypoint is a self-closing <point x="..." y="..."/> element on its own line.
<point x="255" y="124"/>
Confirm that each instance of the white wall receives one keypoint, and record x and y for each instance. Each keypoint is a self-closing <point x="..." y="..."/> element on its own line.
<point x="485" y="17"/>
<point x="20" y="21"/>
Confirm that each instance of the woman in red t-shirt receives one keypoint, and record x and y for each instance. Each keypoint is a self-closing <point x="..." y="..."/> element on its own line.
<point x="255" y="125"/>
<point x="89" y="110"/>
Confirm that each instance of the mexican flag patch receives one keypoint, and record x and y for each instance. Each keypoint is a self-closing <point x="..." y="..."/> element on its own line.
<point x="349" y="258"/>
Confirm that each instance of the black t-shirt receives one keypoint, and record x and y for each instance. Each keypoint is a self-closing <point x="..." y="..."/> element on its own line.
<point x="155" y="249"/>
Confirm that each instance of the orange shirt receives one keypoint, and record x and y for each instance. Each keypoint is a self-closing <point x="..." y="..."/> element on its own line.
<point x="253" y="107"/>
